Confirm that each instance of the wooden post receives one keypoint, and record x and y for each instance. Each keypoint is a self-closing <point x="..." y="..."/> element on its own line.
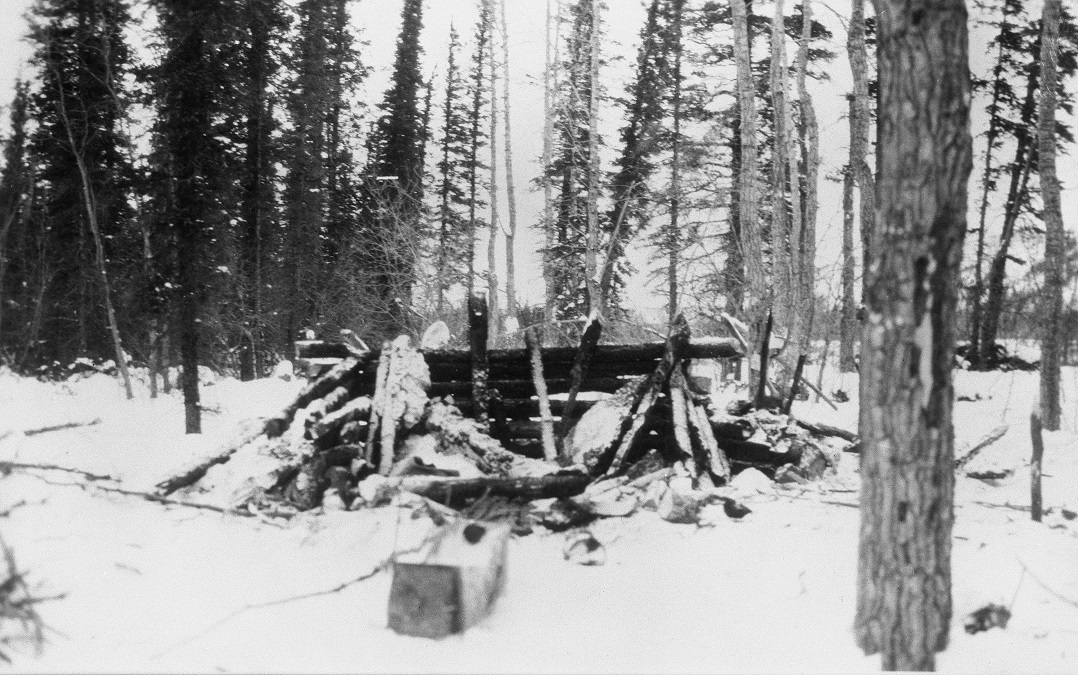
<point x="796" y="383"/>
<point x="531" y="339"/>
<point x="588" y="342"/>
<point x="1035" y="466"/>
<point x="765" y="347"/>
<point x="477" y="338"/>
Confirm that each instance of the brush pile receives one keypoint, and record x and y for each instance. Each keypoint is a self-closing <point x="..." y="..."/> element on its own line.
<point x="457" y="427"/>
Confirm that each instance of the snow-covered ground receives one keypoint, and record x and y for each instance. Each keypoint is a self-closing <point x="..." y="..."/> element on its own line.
<point x="154" y="588"/>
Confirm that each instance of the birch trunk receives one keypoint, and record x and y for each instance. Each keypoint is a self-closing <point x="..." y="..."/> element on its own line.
<point x="860" y="122"/>
<point x="591" y="251"/>
<point x="549" y="83"/>
<point x="673" y="236"/>
<point x="755" y="308"/>
<point x="907" y="458"/>
<point x="89" y="203"/>
<point x="810" y="149"/>
<point x="1055" y="241"/>
<point x="492" y="240"/>
<point x="510" y="186"/>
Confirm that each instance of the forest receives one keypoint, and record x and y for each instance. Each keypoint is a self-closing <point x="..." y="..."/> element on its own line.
<point x="196" y="192"/>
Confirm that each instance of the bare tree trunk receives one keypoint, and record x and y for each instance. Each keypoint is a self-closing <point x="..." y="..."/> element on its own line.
<point x="860" y="122"/>
<point x="907" y="456"/>
<point x="510" y="187"/>
<point x="780" y="224"/>
<point x="810" y="150"/>
<point x="673" y="236"/>
<point x="492" y="240"/>
<point x="591" y="250"/>
<point x="1055" y="259"/>
<point x="755" y="307"/>
<point x="550" y="77"/>
<point x="977" y="292"/>
<point x="89" y="203"/>
<point x="848" y="326"/>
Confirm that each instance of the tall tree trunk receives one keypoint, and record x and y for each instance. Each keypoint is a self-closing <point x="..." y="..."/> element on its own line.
<point x="907" y="456"/>
<point x="755" y="307"/>
<point x="780" y="224"/>
<point x="550" y="77"/>
<point x="809" y="133"/>
<point x="492" y="239"/>
<point x="860" y="122"/>
<point x="1017" y="199"/>
<point x="976" y="299"/>
<point x="673" y="235"/>
<point x="591" y="246"/>
<point x="510" y="187"/>
<point x="848" y="326"/>
<point x="90" y="205"/>
<point x="1055" y="242"/>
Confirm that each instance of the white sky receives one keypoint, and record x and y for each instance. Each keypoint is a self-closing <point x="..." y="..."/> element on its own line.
<point x="379" y="22"/>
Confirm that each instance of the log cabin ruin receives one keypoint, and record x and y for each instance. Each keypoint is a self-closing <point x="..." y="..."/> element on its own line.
<point x="602" y="429"/>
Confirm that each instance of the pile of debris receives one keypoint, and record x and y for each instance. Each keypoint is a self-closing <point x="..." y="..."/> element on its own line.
<point x="998" y="358"/>
<point x="458" y="428"/>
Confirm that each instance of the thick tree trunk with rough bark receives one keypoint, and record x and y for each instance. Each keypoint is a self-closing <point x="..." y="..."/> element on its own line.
<point x="781" y="281"/>
<point x="1054" y="240"/>
<point x="907" y="460"/>
<point x="755" y="307"/>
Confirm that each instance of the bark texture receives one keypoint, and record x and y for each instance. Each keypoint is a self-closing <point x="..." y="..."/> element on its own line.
<point x="907" y="461"/>
<point x="1054" y="240"/>
<point x="749" y="242"/>
<point x="860" y="123"/>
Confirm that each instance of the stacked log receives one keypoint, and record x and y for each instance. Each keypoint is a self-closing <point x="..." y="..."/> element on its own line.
<point x="460" y="423"/>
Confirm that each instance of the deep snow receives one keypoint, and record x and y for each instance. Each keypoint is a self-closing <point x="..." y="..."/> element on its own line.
<point x="152" y="588"/>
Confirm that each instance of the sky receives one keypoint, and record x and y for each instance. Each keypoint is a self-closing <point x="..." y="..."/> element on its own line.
<point x="378" y="22"/>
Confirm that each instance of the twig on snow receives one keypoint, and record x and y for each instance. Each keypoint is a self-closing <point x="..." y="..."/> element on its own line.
<point x="373" y="572"/>
<point x="7" y="466"/>
<point x="1052" y="591"/>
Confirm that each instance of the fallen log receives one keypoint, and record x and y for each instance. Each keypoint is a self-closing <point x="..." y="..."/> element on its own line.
<point x="525" y="408"/>
<point x="718" y="462"/>
<point x="648" y="395"/>
<point x="963" y="457"/>
<point x="355" y="410"/>
<point x="823" y="429"/>
<point x="345" y="374"/>
<point x="680" y="417"/>
<point x="756" y="454"/>
<point x="61" y="427"/>
<point x="510" y="389"/>
<point x="456" y="492"/>
<point x="193" y="473"/>
<point x="588" y="342"/>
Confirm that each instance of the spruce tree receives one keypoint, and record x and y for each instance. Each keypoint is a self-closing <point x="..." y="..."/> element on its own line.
<point x="194" y="93"/>
<point x="394" y="188"/>
<point x="264" y="23"/>
<point x="450" y="243"/>
<point x="16" y="184"/>
<point x="85" y="175"/>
